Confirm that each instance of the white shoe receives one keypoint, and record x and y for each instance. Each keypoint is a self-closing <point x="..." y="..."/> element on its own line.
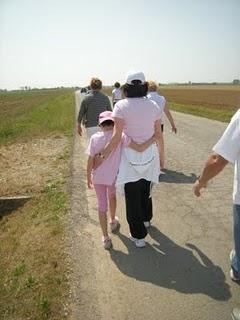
<point x="233" y="275"/>
<point x="235" y="314"/>
<point x="139" y="243"/>
<point x="232" y="254"/>
<point x="147" y="224"/>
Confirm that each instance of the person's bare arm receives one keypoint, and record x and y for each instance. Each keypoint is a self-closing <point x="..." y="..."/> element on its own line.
<point x="214" y="165"/>
<point x="90" y="163"/>
<point x="170" y="118"/>
<point x="79" y="129"/>
<point x="143" y="146"/>
<point x="112" y="144"/>
<point x="159" y="136"/>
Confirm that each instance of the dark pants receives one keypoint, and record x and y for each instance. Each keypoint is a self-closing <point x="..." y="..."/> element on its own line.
<point x="138" y="206"/>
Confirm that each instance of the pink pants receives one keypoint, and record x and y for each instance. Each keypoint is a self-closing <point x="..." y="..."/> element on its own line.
<point x="104" y="193"/>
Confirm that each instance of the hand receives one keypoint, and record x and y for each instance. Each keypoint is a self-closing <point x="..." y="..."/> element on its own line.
<point x="174" y="129"/>
<point x="162" y="166"/>
<point x="79" y="129"/>
<point x="197" y="187"/>
<point x="98" y="160"/>
<point x="154" y="139"/>
<point x="89" y="182"/>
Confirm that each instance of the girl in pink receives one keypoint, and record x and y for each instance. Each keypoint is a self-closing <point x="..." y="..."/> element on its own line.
<point x="103" y="177"/>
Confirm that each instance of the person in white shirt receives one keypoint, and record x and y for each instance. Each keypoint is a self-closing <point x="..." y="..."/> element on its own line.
<point x="227" y="150"/>
<point x="162" y="103"/>
<point x="116" y="93"/>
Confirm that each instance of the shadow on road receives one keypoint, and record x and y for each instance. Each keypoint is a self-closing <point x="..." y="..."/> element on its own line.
<point x="171" y="176"/>
<point x="171" y="266"/>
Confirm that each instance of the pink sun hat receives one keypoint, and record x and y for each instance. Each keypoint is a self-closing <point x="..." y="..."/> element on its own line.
<point x="106" y="115"/>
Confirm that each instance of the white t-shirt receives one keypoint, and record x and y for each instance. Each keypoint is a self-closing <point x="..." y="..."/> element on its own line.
<point x="229" y="148"/>
<point x="117" y="94"/>
<point x="160" y="100"/>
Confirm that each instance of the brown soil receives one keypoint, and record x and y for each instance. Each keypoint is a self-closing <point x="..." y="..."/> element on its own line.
<point x="218" y="99"/>
<point x="27" y="166"/>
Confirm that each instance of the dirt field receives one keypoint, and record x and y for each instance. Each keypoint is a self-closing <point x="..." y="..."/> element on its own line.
<point x="217" y="97"/>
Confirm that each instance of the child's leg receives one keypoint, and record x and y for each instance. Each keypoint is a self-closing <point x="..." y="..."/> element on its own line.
<point x="114" y="222"/>
<point x="101" y="192"/>
<point x="112" y="200"/>
<point x="103" y="223"/>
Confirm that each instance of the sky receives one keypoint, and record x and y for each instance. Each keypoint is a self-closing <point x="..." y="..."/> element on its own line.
<point x="52" y="43"/>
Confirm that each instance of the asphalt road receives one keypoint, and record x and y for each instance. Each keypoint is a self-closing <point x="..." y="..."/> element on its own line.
<point x="183" y="272"/>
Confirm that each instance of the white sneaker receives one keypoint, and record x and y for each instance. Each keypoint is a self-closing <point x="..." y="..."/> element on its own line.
<point x="139" y="243"/>
<point x="147" y="224"/>
<point x="232" y="254"/>
<point x="233" y="275"/>
<point x="235" y="314"/>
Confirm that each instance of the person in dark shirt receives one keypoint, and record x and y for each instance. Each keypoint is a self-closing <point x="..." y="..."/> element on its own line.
<point x="91" y="106"/>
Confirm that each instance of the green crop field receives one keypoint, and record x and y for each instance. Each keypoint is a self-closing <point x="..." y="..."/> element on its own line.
<point x="33" y="113"/>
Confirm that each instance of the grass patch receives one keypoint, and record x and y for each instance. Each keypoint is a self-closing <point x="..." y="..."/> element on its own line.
<point x="40" y="115"/>
<point x="203" y="111"/>
<point x="33" y="281"/>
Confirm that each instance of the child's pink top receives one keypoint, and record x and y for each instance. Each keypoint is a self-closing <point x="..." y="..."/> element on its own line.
<point x="106" y="173"/>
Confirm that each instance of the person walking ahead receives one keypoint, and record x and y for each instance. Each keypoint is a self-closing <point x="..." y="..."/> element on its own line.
<point x="116" y="93"/>
<point x="91" y="106"/>
<point x="162" y="104"/>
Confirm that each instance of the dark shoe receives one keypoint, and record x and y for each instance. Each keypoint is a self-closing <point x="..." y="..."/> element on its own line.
<point x="114" y="225"/>
<point x="107" y="243"/>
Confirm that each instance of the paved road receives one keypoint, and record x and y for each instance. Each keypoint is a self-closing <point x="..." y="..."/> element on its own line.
<point x="183" y="272"/>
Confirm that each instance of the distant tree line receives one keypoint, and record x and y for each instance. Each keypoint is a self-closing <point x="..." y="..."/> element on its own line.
<point x="189" y="83"/>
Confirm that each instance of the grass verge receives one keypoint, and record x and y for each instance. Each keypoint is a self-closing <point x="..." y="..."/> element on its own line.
<point x="33" y="260"/>
<point x="203" y="111"/>
<point x="33" y="273"/>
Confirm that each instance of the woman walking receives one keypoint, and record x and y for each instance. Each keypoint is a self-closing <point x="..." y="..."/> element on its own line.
<point x="139" y="118"/>
<point x="162" y="104"/>
<point x="116" y="93"/>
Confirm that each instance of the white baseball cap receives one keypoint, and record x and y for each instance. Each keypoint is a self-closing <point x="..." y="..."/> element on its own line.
<point x="135" y="75"/>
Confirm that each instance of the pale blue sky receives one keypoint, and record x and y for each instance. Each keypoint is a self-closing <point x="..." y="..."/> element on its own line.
<point x="65" y="42"/>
